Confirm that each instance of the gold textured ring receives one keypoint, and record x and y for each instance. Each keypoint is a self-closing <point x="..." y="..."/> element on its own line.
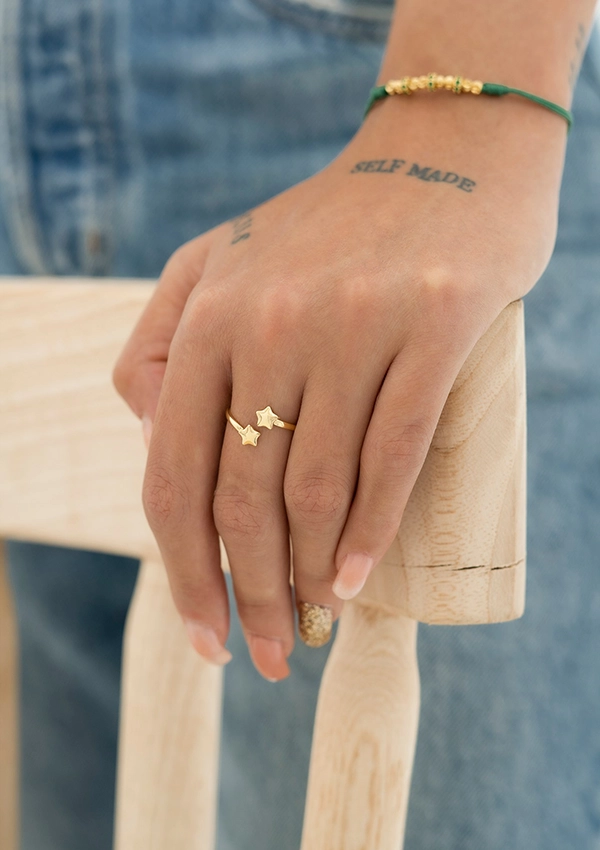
<point x="265" y="418"/>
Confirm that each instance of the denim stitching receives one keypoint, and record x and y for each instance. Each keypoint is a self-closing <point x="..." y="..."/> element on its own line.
<point x="15" y="168"/>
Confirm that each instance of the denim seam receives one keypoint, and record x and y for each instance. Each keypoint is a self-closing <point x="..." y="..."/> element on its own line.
<point x="15" y="172"/>
<point x="105" y="138"/>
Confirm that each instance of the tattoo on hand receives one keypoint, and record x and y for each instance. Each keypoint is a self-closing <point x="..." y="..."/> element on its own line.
<point x="241" y="227"/>
<point x="428" y="174"/>
<point x="580" y="41"/>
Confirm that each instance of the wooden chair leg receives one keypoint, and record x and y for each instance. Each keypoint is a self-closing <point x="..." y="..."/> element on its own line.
<point x="9" y="747"/>
<point x="169" y="731"/>
<point x="365" y="734"/>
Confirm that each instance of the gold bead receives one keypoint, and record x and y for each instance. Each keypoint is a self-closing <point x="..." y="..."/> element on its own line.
<point x="389" y="87"/>
<point x="421" y="82"/>
<point x="439" y="81"/>
<point x="476" y="87"/>
<point x="405" y="88"/>
<point x="466" y="85"/>
<point x="413" y="83"/>
<point x="448" y="82"/>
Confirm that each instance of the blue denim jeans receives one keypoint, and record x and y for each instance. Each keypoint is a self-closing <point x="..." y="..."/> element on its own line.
<point x="126" y="128"/>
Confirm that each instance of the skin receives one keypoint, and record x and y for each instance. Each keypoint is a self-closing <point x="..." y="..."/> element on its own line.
<point x="349" y="304"/>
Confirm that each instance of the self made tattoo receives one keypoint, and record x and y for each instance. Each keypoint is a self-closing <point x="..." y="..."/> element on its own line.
<point x="427" y="174"/>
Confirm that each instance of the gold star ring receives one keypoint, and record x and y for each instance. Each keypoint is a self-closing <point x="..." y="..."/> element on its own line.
<point x="267" y="418"/>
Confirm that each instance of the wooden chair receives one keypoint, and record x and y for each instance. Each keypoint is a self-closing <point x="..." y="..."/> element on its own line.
<point x="71" y="466"/>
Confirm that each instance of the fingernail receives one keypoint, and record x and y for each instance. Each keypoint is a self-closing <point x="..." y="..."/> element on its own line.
<point x="269" y="657"/>
<point x="314" y="623"/>
<point x="206" y="643"/>
<point x="146" y="429"/>
<point x="352" y="575"/>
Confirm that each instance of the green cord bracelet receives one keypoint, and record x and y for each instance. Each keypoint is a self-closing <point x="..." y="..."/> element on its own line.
<point x="432" y="81"/>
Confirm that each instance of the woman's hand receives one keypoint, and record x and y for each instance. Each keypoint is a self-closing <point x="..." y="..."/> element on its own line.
<point x="347" y="304"/>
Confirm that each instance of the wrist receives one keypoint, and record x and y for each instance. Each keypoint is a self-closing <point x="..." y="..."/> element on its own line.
<point x="508" y="127"/>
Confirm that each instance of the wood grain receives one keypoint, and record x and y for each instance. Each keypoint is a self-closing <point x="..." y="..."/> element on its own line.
<point x="365" y="734"/>
<point x="170" y="729"/>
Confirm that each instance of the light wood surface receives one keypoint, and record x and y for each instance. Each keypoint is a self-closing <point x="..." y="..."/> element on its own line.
<point x="365" y="734"/>
<point x="459" y="556"/>
<point x="71" y="467"/>
<point x="170" y="729"/>
<point x="8" y="714"/>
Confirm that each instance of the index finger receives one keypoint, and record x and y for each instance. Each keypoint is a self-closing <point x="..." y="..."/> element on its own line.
<point x="139" y="370"/>
<point x="181" y="473"/>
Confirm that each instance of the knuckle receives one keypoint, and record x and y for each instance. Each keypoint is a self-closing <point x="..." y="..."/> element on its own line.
<point x="442" y="292"/>
<point x="166" y="502"/>
<point x="205" y="310"/>
<point x="259" y="605"/>
<point x="277" y="311"/>
<point x="316" y="497"/>
<point x="239" y="515"/>
<point x="400" y="448"/>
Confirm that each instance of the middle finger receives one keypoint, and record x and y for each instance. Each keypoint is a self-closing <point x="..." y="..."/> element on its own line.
<point x="249" y="509"/>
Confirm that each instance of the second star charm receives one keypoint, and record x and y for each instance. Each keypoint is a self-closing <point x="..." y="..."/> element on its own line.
<point x="266" y="417"/>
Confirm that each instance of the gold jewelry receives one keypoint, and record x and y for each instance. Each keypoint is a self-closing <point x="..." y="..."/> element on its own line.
<point x="458" y="84"/>
<point x="314" y="623"/>
<point x="266" y="419"/>
<point x="431" y="82"/>
<point x="248" y="434"/>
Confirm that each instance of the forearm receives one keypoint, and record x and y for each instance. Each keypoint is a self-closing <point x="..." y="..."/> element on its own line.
<point x="508" y="142"/>
<point x="531" y="44"/>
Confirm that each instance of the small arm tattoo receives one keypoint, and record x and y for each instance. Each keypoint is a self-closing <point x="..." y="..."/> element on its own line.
<point x="241" y="227"/>
<point x="575" y="64"/>
<point x="427" y="174"/>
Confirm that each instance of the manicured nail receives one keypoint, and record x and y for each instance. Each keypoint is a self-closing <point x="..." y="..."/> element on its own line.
<point x="314" y="623"/>
<point x="269" y="657"/>
<point x="146" y="429"/>
<point x="206" y="643"/>
<point x="352" y="575"/>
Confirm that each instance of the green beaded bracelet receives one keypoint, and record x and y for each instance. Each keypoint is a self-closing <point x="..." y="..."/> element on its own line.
<point x="433" y="81"/>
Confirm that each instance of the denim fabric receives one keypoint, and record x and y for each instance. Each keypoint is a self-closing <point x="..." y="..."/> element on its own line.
<point x="126" y="128"/>
<point x="365" y="20"/>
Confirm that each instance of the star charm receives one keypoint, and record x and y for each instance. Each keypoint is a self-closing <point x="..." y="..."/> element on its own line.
<point x="249" y="436"/>
<point x="266" y="417"/>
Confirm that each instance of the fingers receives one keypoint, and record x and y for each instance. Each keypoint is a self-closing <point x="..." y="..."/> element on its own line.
<point x="319" y="485"/>
<point x="139" y="371"/>
<point x="398" y="438"/>
<point x="249" y="510"/>
<point x="181" y="473"/>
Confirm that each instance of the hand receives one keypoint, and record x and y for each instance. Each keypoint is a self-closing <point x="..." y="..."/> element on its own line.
<point x="348" y="304"/>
